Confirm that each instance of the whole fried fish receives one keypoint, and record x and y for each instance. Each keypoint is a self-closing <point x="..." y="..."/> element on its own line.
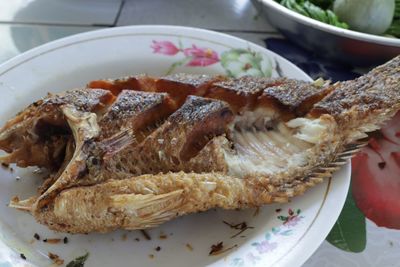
<point x="135" y="152"/>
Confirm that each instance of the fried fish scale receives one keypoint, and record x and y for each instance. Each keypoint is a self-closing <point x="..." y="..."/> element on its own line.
<point x="175" y="144"/>
<point x="269" y="151"/>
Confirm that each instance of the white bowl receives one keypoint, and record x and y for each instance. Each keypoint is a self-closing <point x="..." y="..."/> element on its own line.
<point x="356" y="48"/>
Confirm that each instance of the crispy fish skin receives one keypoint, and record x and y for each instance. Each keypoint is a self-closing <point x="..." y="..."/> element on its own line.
<point x="241" y="93"/>
<point x="139" y="83"/>
<point x="175" y="145"/>
<point x="293" y="98"/>
<point x="135" y="110"/>
<point x="149" y="200"/>
<point x="261" y="155"/>
<point x="146" y="201"/>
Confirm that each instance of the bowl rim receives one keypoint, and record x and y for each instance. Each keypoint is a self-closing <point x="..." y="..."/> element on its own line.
<point x="366" y="37"/>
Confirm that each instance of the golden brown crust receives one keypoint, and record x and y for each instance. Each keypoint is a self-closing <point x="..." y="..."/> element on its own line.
<point x="377" y="90"/>
<point x="180" y="85"/>
<point x="135" y="110"/>
<point x="149" y="200"/>
<point x="241" y="93"/>
<point x="295" y="98"/>
<point x="137" y="83"/>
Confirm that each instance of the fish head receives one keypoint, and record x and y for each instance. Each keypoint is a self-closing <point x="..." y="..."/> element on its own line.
<point x="37" y="136"/>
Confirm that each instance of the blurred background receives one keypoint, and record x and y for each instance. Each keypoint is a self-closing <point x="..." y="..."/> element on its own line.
<point x="25" y="24"/>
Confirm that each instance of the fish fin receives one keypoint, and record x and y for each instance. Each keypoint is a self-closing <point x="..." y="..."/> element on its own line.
<point x="117" y="142"/>
<point x="150" y="209"/>
<point x="342" y="159"/>
<point x="25" y="204"/>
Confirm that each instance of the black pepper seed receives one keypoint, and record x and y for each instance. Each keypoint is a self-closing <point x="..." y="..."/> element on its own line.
<point x="36" y="236"/>
<point x="65" y="240"/>
<point x="22" y="256"/>
<point x="45" y="240"/>
<point x="158" y="248"/>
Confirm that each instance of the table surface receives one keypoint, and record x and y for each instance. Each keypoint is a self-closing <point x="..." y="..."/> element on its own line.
<point x="25" y="24"/>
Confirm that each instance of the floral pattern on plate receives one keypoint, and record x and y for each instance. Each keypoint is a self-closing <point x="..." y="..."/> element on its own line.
<point x="270" y="241"/>
<point x="236" y="62"/>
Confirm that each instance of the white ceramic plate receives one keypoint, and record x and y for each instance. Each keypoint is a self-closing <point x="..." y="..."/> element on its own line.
<point x="283" y="235"/>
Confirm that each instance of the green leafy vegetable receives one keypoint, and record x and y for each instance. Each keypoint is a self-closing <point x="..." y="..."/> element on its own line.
<point x="79" y="262"/>
<point x="394" y="29"/>
<point x="307" y="8"/>
<point x="349" y="231"/>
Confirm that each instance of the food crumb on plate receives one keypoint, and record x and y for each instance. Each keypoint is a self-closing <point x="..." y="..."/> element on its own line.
<point x="124" y="237"/>
<point x="22" y="256"/>
<point x="145" y="234"/>
<point x="151" y="256"/>
<point x="256" y="212"/>
<point x="218" y="249"/>
<point x="65" y="240"/>
<point x="163" y="236"/>
<point x="158" y="248"/>
<point x="239" y="226"/>
<point x="137" y="239"/>
<point x="189" y="247"/>
<point x="5" y="165"/>
<point x="52" y="240"/>
<point x="56" y="259"/>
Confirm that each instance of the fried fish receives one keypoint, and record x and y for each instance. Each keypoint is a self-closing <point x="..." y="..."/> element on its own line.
<point x="135" y="152"/>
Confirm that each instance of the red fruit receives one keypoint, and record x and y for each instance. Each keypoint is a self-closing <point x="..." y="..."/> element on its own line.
<point x="376" y="176"/>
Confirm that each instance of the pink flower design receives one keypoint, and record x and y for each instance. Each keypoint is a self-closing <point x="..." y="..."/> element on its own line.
<point x="201" y="57"/>
<point x="265" y="246"/>
<point x="292" y="221"/>
<point x="165" y="48"/>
